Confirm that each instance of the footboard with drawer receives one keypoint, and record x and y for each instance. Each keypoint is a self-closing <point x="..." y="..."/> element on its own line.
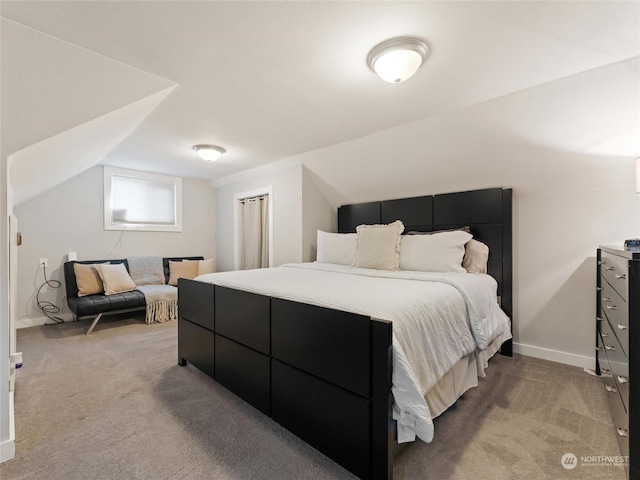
<point x="323" y="374"/>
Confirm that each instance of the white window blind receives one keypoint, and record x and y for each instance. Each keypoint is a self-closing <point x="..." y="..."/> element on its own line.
<point x="142" y="201"/>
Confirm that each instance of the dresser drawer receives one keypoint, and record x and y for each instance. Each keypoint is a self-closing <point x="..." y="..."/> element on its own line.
<point x="616" y="271"/>
<point x="618" y="365"/>
<point x="619" y="415"/>
<point x="620" y="420"/>
<point x="614" y="400"/>
<point x="617" y="311"/>
<point x="603" y="360"/>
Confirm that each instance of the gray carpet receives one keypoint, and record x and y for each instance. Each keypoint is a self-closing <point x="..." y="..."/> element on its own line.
<point x="115" y="405"/>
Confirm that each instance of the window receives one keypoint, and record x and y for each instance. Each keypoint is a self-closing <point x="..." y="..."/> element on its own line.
<point x="142" y="201"/>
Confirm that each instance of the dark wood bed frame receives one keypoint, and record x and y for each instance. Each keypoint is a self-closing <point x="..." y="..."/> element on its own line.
<point x="288" y="359"/>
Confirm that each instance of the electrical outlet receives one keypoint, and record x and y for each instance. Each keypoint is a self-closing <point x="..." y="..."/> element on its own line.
<point x="44" y="262"/>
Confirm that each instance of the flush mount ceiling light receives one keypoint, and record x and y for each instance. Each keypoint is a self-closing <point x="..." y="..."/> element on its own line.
<point x="210" y="153"/>
<point x="397" y="59"/>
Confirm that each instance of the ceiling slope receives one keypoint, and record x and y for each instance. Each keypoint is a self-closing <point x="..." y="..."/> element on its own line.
<point x="64" y="108"/>
<point x="49" y="86"/>
<point x="48" y="163"/>
<point x="271" y="80"/>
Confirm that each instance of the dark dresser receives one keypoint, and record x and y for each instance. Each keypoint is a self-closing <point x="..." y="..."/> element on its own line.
<point x="618" y="344"/>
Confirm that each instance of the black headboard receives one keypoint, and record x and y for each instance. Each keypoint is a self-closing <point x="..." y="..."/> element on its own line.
<point x="487" y="212"/>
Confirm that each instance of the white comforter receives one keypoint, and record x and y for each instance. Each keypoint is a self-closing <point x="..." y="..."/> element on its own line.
<point x="438" y="318"/>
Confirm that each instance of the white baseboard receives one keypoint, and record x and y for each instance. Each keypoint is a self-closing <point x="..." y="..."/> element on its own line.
<point x="25" y="322"/>
<point x="8" y="447"/>
<point x="7" y="450"/>
<point x="555" y="355"/>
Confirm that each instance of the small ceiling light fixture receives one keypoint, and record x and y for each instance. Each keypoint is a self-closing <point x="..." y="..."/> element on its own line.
<point x="397" y="59"/>
<point x="210" y="153"/>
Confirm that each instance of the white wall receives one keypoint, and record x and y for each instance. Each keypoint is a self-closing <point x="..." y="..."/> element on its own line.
<point x="299" y="209"/>
<point x="69" y="217"/>
<point x="285" y="179"/>
<point x="317" y="214"/>
<point x="566" y="148"/>
<point x="7" y="432"/>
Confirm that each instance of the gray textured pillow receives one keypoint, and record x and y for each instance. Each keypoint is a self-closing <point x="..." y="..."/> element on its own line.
<point x="378" y="246"/>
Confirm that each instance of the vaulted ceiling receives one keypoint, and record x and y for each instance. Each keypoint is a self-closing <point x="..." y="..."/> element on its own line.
<point x="265" y="80"/>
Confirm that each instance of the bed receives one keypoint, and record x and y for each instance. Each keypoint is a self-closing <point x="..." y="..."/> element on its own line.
<point x="326" y="366"/>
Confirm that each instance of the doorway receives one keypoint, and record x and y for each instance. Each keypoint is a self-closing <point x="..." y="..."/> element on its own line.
<point x="253" y="229"/>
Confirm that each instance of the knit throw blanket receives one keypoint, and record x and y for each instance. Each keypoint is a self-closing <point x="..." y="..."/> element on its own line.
<point x="162" y="300"/>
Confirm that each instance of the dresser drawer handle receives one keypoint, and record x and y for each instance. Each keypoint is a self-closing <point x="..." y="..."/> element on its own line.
<point x="608" y="269"/>
<point x="599" y="319"/>
<point x="598" y="289"/>
<point x="611" y="307"/>
<point x="610" y="389"/>
<point x="610" y="348"/>
<point x="621" y="379"/>
<point x="604" y="335"/>
<point x="622" y="432"/>
<point x="601" y="262"/>
<point x="622" y="327"/>
<point x="606" y="371"/>
<point x="606" y="299"/>
<point x="598" y="349"/>
<point x="621" y="277"/>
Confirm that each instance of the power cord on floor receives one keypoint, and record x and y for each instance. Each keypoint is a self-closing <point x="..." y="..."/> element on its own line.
<point x="49" y="309"/>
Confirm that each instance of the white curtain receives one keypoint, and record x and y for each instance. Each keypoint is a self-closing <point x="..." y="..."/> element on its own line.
<point x="253" y="238"/>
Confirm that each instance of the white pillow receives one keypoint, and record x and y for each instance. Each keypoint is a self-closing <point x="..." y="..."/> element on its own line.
<point x="476" y="256"/>
<point x="378" y="246"/>
<point x="440" y="252"/>
<point x="339" y="248"/>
